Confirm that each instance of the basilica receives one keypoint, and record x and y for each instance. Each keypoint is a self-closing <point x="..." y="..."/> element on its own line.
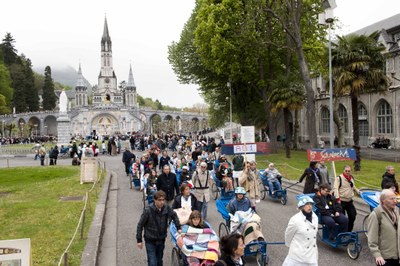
<point x="106" y="110"/>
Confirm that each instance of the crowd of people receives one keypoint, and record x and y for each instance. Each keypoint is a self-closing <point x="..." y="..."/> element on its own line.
<point x="331" y="198"/>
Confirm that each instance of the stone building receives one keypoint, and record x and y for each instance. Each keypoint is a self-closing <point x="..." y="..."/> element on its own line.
<point x="379" y="114"/>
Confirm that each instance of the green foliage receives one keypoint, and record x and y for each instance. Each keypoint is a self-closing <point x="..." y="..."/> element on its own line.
<point x="155" y="105"/>
<point x="358" y="65"/>
<point x="30" y="93"/>
<point x="6" y="90"/>
<point x="49" y="97"/>
<point x="8" y="51"/>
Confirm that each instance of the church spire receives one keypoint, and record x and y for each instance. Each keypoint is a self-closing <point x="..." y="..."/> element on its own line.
<point x="80" y="81"/>
<point x="105" y="39"/>
<point x="131" y="81"/>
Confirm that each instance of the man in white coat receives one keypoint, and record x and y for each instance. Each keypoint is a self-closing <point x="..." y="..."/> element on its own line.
<point x="301" y="236"/>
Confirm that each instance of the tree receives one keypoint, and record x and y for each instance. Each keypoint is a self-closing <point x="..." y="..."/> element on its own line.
<point x="287" y="95"/>
<point x="49" y="98"/>
<point x="8" y="51"/>
<point x="6" y="90"/>
<point x="30" y="92"/>
<point x="358" y="67"/>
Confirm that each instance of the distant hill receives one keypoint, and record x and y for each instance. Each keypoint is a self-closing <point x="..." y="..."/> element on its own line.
<point x="66" y="76"/>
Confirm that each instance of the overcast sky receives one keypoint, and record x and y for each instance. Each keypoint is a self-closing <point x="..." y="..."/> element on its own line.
<point x="64" y="33"/>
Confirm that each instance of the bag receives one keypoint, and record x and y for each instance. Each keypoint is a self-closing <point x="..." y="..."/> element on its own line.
<point x="183" y="215"/>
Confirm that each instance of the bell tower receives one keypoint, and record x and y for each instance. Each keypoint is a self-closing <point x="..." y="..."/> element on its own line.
<point x="107" y="91"/>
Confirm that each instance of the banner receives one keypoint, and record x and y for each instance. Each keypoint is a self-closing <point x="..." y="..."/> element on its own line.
<point x="331" y="155"/>
<point x="245" y="148"/>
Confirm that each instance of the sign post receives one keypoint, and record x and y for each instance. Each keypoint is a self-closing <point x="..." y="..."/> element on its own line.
<point x="331" y="155"/>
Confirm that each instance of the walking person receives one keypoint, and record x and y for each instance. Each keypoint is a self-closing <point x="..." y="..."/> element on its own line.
<point x="312" y="176"/>
<point x="383" y="230"/>
<point x="323" y="170"/>
<point x="154" y="222"/>
<point x="232" y="249"/>
<point x="344" y="188"/>
<point x="389" y="177"/>
<point x="202" y="182"/>
<point x="127" y="158"/>
<point x="238" y="165"/>
<point x="301" y="236"/>
<point x="167" y="182"/>
<point x="250" y="180"/>
<point x="54" y="154"/>
<point x="42" y="154"/>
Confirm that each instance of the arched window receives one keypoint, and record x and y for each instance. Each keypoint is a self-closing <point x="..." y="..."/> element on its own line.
<point x="385" y="118"/>
<point x="325" y="120"/>
<point x="343" y="116"/>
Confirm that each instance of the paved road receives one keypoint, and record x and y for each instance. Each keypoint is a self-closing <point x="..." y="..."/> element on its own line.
<point x="125" y="206"/>
<point x="274" y="218"/>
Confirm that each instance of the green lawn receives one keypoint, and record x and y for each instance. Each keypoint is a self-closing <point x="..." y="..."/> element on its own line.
<point x="369" y="176"/>
<point x="30" y="208"/>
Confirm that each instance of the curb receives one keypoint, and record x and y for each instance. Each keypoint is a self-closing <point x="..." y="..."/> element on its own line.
<point x="361" y="207"/>
<point x="91" y="251"/>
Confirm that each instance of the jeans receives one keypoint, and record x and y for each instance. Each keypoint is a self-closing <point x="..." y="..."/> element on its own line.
<point x="202" y="207"/>
<point x="155" y="252"/>
<point x="42" y="159"/>
<point x="274" y="185"/>
<point x="349" y="209"/>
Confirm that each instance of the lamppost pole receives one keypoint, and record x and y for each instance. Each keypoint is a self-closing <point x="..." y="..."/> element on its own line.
<point x="327" y="18"/>
<point x="331" y="129"/>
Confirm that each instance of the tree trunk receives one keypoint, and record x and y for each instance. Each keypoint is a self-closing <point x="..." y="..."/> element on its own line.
<point x="271" y="122"/>
<point x="286" y="114"/>
<point x="296" y="144"/>
<point x="339" y="125"/>
<point x="356" y="133"/>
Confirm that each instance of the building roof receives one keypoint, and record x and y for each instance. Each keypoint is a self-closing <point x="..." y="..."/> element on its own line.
<point x="106" y="36"/>
<point x="131" y="81"/>
<point x="386" y="24"/>
<point x="80" y="82"/>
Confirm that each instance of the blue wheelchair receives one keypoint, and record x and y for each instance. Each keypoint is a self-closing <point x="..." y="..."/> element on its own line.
<point x="217" y="188"/>
<point x="256" y="248"/>
<point x="345" y="239"/>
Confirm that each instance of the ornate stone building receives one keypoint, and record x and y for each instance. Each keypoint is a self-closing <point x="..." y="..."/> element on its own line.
<point x="114" y="109"/>
<point x="379" y="114"/>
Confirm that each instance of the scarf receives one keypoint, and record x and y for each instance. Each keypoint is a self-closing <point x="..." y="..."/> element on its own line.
<point x="316" y="179"/>
<point x="308" y="215"/>
<point x="348" y="178"/>
<point x="392" y="216"/>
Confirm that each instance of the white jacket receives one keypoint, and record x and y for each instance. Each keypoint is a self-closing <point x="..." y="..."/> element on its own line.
<point x="301" y="238"/>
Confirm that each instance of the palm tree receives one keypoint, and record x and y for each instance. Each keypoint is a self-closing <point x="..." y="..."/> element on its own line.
<point x="358" y="67"/>
<point x="287" y="95"/>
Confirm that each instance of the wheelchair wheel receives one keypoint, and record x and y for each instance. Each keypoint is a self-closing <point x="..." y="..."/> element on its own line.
<point x="214" y="191"/>
<point x="176" y="259"/>
<point x="261" y="259"/>
<point x="365" y="225"/>
<point x="354" y="250"/>
<point x="263" y="191"/>
<point x="284" y="199"/>
<point x="223" y="230"/>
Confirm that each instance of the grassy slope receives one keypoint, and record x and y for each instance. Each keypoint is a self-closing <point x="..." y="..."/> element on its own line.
<point x="30" y="208"/>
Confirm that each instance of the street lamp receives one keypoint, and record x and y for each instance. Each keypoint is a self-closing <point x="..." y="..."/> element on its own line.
<point x="327" y="18"/>
<point x="230" y="108"/>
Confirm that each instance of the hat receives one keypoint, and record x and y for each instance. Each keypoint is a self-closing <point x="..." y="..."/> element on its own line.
<point x="240" y="190"/>
<point x="185" y="168"/>
<point x="203" y="164"/>
<point x="303" y="201"/>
